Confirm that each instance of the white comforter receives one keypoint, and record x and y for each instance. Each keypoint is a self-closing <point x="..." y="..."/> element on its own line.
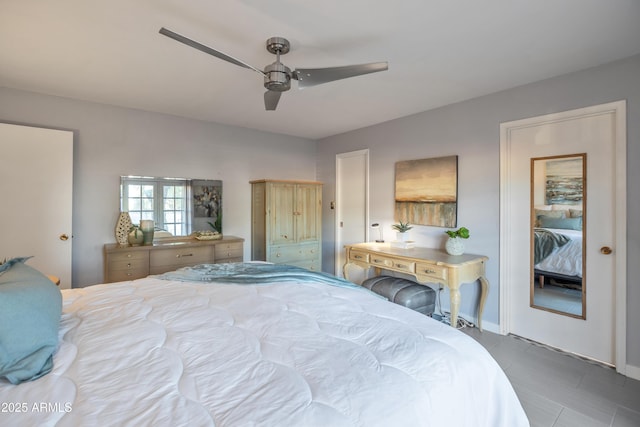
<point x="162" y="353"/>
<point x="567" y="259"/>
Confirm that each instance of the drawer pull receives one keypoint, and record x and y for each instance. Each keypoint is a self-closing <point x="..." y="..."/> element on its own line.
<point x="183" y="255"/>
<point x="128" y="255"/>
<point x="429" y="271"/>
<point x="278" y="255"/>
<point x="401" y="266"/>
<point x="129" y="265"/>
<point x="357" y="256"/>
<point x="377" y="260"/>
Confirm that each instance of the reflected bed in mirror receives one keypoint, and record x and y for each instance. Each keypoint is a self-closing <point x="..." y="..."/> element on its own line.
<point x="178" y="206"/>
<point x="558" y="207"/>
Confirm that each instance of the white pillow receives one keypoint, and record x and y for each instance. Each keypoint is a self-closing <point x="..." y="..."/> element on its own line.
<point x="542" y="207"/>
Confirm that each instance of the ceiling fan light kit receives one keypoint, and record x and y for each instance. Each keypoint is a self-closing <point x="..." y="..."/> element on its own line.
<point x="277" y="76"/>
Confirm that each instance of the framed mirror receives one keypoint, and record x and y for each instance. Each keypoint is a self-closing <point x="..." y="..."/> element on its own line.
<point x="558" y="219"/>
<point x="178" y="206"/>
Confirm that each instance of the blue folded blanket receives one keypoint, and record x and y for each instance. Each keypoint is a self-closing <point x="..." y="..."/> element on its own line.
<point x="252" y="273"/>
<point x="546" y="242"/>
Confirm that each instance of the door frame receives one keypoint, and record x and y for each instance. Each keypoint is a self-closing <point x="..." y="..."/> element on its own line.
<point x="618" y="108"/>
<point x="339" y="179"/>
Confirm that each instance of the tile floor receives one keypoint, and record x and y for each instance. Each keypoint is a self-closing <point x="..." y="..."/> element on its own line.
<point x="558" y="390"/>
<point x="558" y="298"/>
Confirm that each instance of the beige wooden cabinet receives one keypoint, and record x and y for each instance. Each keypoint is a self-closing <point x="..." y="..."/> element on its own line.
<point x="286" y="221"/>
<point x="134" y="262"/>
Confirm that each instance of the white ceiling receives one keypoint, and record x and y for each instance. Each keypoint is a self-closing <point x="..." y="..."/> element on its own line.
<point x="439" y="52"/>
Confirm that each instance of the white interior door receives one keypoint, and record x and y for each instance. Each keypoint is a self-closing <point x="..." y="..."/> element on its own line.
<point x="352" y="193"/>
<point x="36" y="183"/>
<point x="600" y="133"/>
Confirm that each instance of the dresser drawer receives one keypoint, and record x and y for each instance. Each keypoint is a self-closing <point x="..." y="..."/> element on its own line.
<point x="127" y="255"/>
<point x="131" y="274"/>
<point x="287" y="254"/>
<point x="228" y="252"/>
<point x="131" y="264"/>
<point x="127" y="265"/>
<point x="313" y="265"/>
<point x="164" y="260"/>
<point x="431" y="270"/>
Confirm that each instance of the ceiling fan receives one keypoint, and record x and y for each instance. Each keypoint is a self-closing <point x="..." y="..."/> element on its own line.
<point x="277" y="76"/>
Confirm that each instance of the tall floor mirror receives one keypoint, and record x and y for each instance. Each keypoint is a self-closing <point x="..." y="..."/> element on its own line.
<point x="558" y="219"/>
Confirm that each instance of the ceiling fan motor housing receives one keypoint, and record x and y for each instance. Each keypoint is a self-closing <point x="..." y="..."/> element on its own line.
<point x="277" y="77"/>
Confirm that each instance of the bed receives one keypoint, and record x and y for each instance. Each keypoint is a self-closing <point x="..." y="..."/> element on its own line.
<point x="256" y="344"/>
<point x="558" y="255"/>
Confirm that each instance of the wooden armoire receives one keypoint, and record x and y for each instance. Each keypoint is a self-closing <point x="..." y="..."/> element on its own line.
<point x="286" y="222"/>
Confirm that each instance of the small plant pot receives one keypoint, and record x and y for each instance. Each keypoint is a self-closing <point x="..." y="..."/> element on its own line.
<point x="454" y="246"/>
<point x="136" y="238"/>
<point x="402" y="237"/>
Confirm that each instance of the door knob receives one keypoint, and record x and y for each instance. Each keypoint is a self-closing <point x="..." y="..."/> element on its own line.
<point x="606" y="250"/>
<point x="64" y="237"/>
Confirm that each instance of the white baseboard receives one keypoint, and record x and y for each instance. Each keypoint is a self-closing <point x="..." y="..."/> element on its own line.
<point x="633" y="372"/>
<point x="491" y="327"/>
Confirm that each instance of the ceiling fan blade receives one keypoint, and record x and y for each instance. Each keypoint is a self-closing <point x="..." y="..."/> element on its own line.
<point x="314" y="76"/>
<point x="207" y="49"/>
<point x="271" y="98"/>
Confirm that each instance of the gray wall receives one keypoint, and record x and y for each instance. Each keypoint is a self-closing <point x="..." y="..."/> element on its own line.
<point x="470" y="130"/>
<point x="110" y="142"/>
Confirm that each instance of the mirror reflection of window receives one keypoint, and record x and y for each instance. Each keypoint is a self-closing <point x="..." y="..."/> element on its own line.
<point x="163" y="200"/>
<point x="178" y="206"/>
<point x="558" y="206"/>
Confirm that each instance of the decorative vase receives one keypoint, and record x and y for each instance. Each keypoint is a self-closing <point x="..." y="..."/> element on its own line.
<point x="454" y="246"/>
<point x="147" y="227"/>
<point x="402" y="236"/>
<point x="122" y="228"/>
<point x="136" y="237"/>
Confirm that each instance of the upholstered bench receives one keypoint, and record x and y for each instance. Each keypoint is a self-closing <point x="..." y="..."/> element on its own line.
<point x="417" y="297"/>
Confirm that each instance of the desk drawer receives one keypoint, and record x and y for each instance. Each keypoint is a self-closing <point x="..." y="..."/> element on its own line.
<point x="358" y="256"/>
<point x="392" y="263"/>
<point x="431" y="270"/>
<point x="404" y="266"/>
<point x="380" y="261"/>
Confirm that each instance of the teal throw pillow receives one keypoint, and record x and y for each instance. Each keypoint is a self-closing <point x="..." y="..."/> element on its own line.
<point x="30" y="310"/>
<point x="562" y="223"/>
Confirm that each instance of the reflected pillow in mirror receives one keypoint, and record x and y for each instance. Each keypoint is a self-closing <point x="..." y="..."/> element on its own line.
<point x="575" y="213"/>
<point x="563" y="223"/>
<point x="549" y="214"/>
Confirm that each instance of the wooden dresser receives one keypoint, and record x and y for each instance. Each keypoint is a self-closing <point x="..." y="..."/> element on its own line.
<point x="286" y="223"/>
<point x="134" y="262"/>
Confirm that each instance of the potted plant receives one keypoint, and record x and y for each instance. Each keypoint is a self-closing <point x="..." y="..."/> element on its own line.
<point x="455" y="244"/>
<point x="401" y="230"/>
